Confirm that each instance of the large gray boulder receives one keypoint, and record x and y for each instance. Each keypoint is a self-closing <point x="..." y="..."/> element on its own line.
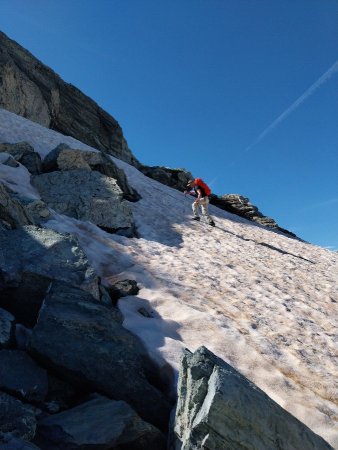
<point x="220" y="409"/>
<point x="46" y="253"/>
<point x="24" y="153"/>
<point x="81" y="340"/>
<point x="86" y="195"/>
<point x="116" y="426"/>
<point x="33" y="90"/>
<point x="65" y="158"/>
<point x="22" y="377"/>
<point x="16" y="418"/>
<point x="7" y="328"/>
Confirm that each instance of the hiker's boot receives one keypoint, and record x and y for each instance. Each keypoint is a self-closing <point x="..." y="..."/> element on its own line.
<point x="211" y="223"/>
<point x="196" y="218"/>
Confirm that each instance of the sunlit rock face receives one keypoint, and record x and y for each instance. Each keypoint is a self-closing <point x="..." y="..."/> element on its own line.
<point x="33" y="90"/>
<point x="218" y="408"/>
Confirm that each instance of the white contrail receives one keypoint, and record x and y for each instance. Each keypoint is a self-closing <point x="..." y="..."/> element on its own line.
<point x="325" y="77"/>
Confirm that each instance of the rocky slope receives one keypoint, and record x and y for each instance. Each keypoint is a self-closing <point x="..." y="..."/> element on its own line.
<point x="31" y="89"/>
<point x="69" y="355"/>
<point x="104" y="281"/>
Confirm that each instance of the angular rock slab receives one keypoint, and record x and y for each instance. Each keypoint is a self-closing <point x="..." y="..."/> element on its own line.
<point x="99" y="423"/>
<point x="85" y="195"/>
<point x="7" y="329"/>
<point x="16" y="418"/>
<point x="220" y="409"/>
<point x="81" y="339"/>
<point x="65" y="158"/>
<point x="47" y="253"/>
<point x="12" y="212"/>
<point x="21" y="376"/>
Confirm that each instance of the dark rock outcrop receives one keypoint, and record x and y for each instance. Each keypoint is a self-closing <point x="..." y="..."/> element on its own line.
<point x="175" y="178"/>
<point x="122" y="289"/>
<point x="65" y="158"/>
<point x="7" y="328"/>
<point x="32" y="90"/>
<point x="218" y="408"/>
<point x="16" y="418"/>
<point x="24" y="153"/>
<point x="241" y="206"/>
<point x="23" y="296"/>
<point x="116" y="425"/>
<point x="81" y="340"/>
<point x="22" y="377"/>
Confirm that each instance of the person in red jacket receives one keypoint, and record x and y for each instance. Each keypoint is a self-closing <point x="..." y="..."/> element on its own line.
<point x="197" y="188"/>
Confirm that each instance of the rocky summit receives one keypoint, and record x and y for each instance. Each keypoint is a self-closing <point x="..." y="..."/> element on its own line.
<point x="126" y="325"/>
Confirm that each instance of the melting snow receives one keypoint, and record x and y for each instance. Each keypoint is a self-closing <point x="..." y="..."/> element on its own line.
<point x="265" y="303"/>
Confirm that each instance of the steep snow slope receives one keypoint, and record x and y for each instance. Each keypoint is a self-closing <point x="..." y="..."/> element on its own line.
<point x="265" y="303"/>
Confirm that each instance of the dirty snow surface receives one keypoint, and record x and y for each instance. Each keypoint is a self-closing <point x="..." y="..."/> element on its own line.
<point x="265" y="303"/>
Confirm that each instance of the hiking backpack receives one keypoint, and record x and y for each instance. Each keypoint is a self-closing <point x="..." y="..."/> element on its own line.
<point x="204" y="186"/>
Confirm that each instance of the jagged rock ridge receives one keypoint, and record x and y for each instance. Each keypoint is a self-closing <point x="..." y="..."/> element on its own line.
<point x="31" y="89"/>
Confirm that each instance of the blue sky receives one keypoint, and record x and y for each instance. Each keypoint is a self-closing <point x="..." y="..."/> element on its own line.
<point x="194" y="83"/>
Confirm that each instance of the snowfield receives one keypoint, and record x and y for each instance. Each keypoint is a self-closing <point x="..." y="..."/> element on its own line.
<point x="265" y="303"/>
